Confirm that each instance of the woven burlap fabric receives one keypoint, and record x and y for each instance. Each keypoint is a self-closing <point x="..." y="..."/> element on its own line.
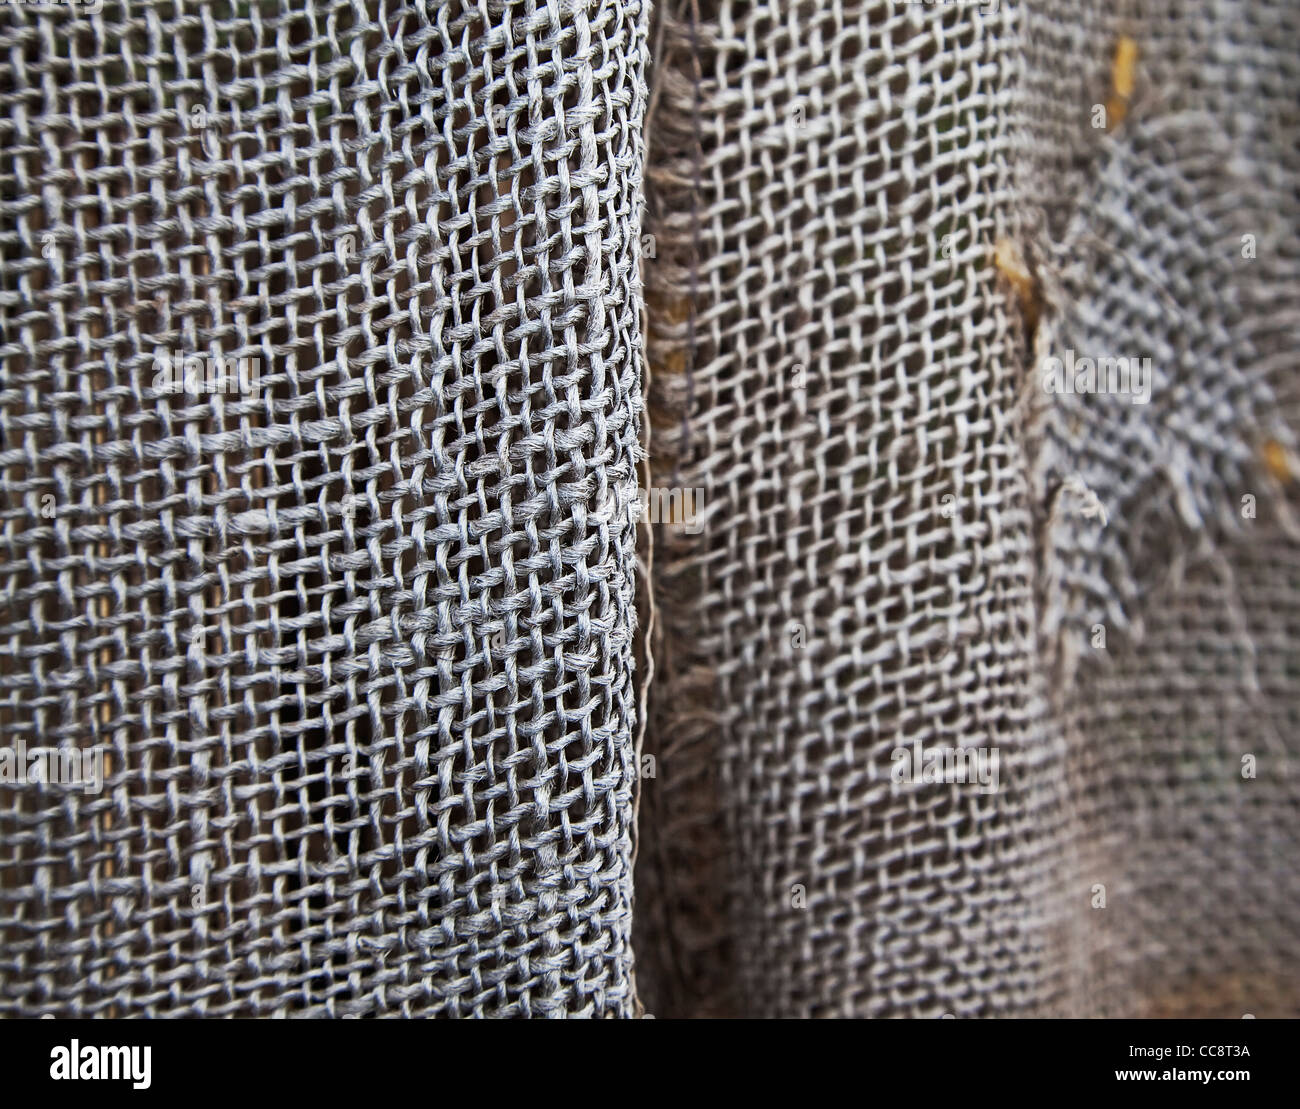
<point x="360" y="645"/>
<point x="838" y="179"/>
<point x="368" y="647"/>
<point x="841" y="376"/>
<point x="1174" y="236"/>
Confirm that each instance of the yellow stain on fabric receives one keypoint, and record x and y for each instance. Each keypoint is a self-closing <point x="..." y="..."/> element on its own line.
<point x="1124" y="70"/>
<point x="1123" y="80"/>
<point x="1277" y="461"/>
<point x="1010" y="263"/>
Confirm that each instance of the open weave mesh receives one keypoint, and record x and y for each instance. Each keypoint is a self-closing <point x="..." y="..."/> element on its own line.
<point x="359" y="645"/>
<point x="896" y="549"/>
<point x="844" y="374"/>
<point x="369" y="646"/>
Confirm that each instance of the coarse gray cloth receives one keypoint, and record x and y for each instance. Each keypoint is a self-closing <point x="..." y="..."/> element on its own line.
<point x="335" y="339"/>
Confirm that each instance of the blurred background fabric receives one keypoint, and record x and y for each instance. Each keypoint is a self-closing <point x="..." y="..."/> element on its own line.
<point x="405" y="713"/>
